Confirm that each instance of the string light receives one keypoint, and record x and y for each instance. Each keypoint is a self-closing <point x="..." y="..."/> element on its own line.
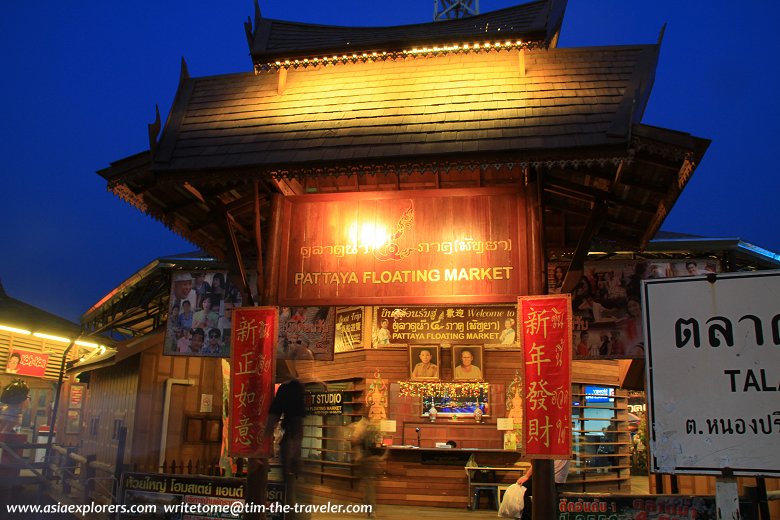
<point x="434" y="388"/>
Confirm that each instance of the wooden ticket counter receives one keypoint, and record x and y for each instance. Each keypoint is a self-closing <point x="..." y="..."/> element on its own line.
<point x="437" y="476"/>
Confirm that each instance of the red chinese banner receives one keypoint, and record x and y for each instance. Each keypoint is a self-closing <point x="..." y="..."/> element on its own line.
<point x="252" y="380"/>
<point x="545" y="323"/>
<point x="26" y="363"/>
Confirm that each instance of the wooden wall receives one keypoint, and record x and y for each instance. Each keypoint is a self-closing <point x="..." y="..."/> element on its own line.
<point x="153" y="371"/>
<point x="111" y="396"/>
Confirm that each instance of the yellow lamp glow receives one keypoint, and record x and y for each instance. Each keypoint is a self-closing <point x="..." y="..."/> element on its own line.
<point x="14" y="329"/>
<point x="49" y="336"/>
<point x="371" y="235"/>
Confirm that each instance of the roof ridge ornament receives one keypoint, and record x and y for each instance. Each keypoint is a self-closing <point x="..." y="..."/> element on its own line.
<point x="154" y="129"/>
<point x="250" y="34"/>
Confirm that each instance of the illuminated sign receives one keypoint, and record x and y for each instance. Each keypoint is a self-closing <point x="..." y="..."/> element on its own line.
<point x="451" y="246"/>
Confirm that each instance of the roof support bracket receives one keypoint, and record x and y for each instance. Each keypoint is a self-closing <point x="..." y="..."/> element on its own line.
<point x="598" y="215"/>
<point x="236" y="261"/>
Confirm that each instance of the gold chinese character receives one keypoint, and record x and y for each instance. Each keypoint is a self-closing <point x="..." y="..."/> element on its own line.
<point x="245" y="398"/>
<point x="245" y="436"/>
<point x="537" y="358"/>
<point x="539" y="432"/>
<point x="537" y="322"/>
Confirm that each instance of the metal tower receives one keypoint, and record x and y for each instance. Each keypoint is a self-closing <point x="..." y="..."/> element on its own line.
<point x="450" y="9"/>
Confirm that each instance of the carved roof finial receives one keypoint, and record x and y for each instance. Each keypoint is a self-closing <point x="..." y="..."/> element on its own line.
<point x="154" y="130"/>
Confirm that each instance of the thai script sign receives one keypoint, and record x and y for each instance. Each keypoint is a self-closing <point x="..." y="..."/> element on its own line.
<point x="325" y="403"/>
<point x="441" y="246"/>
<point x="445" y="324"/>
<point x="252" y="376"/>
<point x="193" y="497"/>
<point x="545" y="337"/>
<point x="349" y="329"/>
<point x="634" y="507"/>
<point x="713" y="362"/>
<point x="26" y="363"/>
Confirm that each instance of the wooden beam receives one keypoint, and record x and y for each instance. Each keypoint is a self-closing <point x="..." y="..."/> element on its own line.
<point x="235" y="256"/>
<point x="282" y="81"/>
<point x="258" y="242"/>
<point x="597" y="215"/>
<point x="288" y="187"/>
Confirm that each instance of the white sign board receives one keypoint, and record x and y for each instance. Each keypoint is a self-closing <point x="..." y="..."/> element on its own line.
<point x="713" y="373"/>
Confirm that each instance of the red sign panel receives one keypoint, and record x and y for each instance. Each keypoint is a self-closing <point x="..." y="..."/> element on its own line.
<point x="251" y="380"/>
<point x="26" y="363"/>
<point x="448" y="246"/>
<point x="545" y="323"/>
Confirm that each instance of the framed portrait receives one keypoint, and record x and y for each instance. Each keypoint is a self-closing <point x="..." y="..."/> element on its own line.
<point x="467" y="363"/>
<point x="424" y="362"/>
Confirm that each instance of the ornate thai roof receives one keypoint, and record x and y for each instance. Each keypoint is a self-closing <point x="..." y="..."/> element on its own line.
<point x="271" y="40"/>
<point x="443" y="115"/>
<point x="414" y="108"/>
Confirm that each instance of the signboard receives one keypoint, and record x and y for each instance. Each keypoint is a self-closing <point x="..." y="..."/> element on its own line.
<point x="633" y="507"/>
<point x="452" y="324"/>
<point x="26" y="363"/>
<point x="306" y="333"/>
<point x="252" y="378"/>
<point x="349" y="328"/>
<point x="606" y="302"/>
<point x="423" y="246"/>
<point x="325" y="403"/>
<point x="199" y="314"/>
<point x="713" y="373"/>
<point x="76" y="395"/>
<point x="545" y="336"/>
<point x="182" y="496"/>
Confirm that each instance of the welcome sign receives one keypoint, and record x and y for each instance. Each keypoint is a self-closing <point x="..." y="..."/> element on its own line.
<point x="447" y="246"/>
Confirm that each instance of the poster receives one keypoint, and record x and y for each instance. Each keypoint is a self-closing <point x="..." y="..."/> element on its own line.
<point x="252" y="378"/>
<point x="545" y="322"/>
<point x="454" y="324"/>
<point x="349" y="329"/>
<point x="606" y="305"/>
<point x="26" y="363"/>
<point x="306" y="333"/>
<point x="199" y="314"/>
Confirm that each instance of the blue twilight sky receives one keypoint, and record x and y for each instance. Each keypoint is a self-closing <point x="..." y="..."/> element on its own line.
<point x="81" y="79"/>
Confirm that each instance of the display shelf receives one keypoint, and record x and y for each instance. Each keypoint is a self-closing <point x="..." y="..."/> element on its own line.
<point x="601" y="442"/>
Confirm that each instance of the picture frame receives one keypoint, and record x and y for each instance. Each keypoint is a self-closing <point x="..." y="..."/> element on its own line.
<point x="467" y="363"/>
<point x="422" y="369"/>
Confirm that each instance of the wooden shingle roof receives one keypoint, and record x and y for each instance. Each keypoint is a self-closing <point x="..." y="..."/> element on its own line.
<point x="569" y="118"/>
<point x="272" y="40"/>
<point x="453" y="104"/>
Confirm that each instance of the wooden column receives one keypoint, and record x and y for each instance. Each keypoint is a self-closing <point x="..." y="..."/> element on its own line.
<point x="270" y="295"/>
<point x="535" y="236"/>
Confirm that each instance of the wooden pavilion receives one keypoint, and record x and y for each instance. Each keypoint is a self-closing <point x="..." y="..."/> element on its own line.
<point x="478" y="120"/>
